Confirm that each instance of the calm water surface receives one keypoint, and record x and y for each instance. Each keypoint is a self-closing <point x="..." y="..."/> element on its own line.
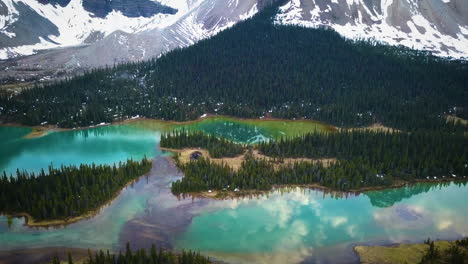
<point x="102" y="145"/>
<point x="272" y="227"/>
<point x="292" y="226"/>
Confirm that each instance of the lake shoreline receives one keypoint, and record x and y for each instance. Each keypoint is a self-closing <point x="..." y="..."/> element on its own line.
<point x="398" y="252"/>
<point x="39" y="131"/>
<point x="224" y="194"/>
<point x="227" y="195"/>
<point x="32" y="223"/>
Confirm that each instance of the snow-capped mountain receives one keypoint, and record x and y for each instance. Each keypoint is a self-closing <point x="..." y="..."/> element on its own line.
<point x="27" y="26"/>
<point x="439" y="26"/>
<point x="65" y="35"/>
<point x="85" y="34"/>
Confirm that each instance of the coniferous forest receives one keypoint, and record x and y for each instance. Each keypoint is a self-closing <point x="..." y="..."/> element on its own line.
<point x="254" y="69"/>
<point x="142" y="256"/>
<point x="363" y="159"/>
<point x="414" y="155"/>
<point x="67" y="191"/>
<point x="217" y="147"/>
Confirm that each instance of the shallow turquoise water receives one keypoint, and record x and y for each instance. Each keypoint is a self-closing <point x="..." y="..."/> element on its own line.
<point x="232" y="130"/>
<point x="102" y="145"/>
<point x="281" y="227"/>
<point x="101" y="231"/>
<point x="303" y="221"/>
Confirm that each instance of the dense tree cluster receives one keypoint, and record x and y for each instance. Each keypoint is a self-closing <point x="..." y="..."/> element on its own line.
<point x="259" y="174"/>
<point x="363" y="159"/>
<point x="142" y="256"/>
<point x="408" y="156"/>
<point x="67" y="191"/>
<point x="217" y="147"/>
<point x="254" y="69"/>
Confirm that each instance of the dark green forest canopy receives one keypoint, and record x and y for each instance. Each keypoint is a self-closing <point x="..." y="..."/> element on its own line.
<point x="68" y="191"/>
<point x="364" y="159"/>
<point x="258" y="68"/>
<point x="217" y="147"/>
<point x="429" y="153"/>
<point x="142" y="256"/>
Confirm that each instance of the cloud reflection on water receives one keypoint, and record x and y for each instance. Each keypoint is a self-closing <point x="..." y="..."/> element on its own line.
<point x="307" y="221"/>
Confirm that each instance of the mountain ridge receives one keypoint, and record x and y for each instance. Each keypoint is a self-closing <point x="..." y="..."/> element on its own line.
<point x="433" y="25"/>
<point x="440" y="27"/>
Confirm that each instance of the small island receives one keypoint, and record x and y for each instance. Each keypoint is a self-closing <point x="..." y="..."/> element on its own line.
<point x="350" y="161"/>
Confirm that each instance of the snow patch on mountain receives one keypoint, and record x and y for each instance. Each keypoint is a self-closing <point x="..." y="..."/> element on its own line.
<point x="75" y="24"/>
<point x="9" y="14"/>
<point x="194" y="20"/>
<point x="425" y="25"/>
<point x="97" y="42"/>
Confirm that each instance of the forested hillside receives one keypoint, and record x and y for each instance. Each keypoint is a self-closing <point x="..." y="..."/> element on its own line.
<point x="257" y="68"/>
<point x="66" y="191"/>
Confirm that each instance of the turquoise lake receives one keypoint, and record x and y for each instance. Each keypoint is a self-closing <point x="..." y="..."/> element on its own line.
<point x="285" y="226"/>
<point x="102" y="145"/>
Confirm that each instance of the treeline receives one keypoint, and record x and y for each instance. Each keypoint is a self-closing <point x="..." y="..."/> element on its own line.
<point x="259" y="174"/>
<point x="363" y="159"/>
<point x="253" y="70"/>
<point x="217" y="147"/>
<point x="68" y="191"/>
<point x="408" y="156"/>
<point x="142" y="256"/>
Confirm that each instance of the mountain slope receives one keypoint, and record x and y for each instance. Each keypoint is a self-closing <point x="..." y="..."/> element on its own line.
<point x="434" y="25"/>
<point x="29" y="25"/>
<point x="254" y="69"/>
<point x="92" y="34"/>
<point x="115" y="38"/>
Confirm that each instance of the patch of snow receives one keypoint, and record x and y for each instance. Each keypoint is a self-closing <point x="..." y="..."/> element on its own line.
<point x="292" y="14"/>
<point x="251" y="13"/>
<point x="10" y="17"/>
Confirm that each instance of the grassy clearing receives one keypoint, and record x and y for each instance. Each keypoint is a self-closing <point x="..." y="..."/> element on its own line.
<point x="399" y="254"/>
<point x="451" y="118"/>
<point x="289" y="128"/>
<point x="276" y="128"/>
<point x="236" y="162"/>
<point x="375" y="128"/>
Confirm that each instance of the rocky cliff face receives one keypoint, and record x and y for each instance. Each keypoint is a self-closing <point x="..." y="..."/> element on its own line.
<point x="90" y="40"/>
<point x="29" y="25"/>
<point x="55" y="2"/>
<point x="439" y="26"/>
<point x="129" y="8"/>
<point x="24" y="27"/>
